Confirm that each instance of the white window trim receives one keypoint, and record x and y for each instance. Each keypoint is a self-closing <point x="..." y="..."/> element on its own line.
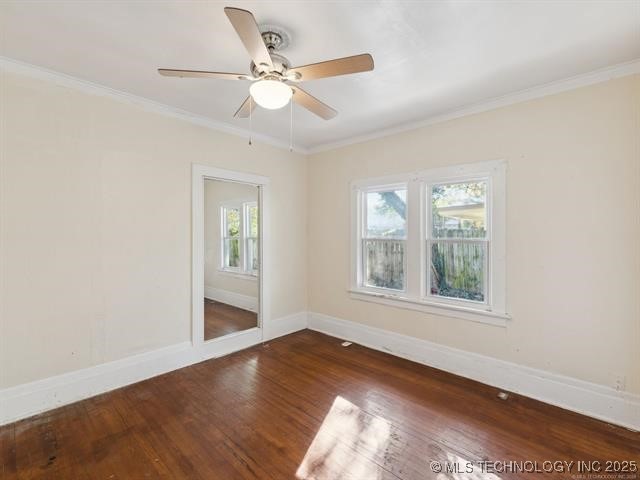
<point x="241" y="271"/>
<point x="415" y="295"/>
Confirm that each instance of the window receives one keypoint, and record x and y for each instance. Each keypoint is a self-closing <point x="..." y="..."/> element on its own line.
<point x="384" y="238"/>
<point x="457" y="240"/>
<point x="251" y="239"/>
<point x="240" y="238"/>
<point x="433" y="241"/>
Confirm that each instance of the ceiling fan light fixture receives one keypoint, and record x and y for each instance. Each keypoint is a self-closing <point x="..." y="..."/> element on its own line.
<point x="271" y="94"/>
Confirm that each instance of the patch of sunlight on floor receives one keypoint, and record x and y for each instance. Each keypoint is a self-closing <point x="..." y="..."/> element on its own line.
<point x="346" y="444"/>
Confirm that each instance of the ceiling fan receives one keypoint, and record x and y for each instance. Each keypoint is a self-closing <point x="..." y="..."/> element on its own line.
<point x="275" y="82"/>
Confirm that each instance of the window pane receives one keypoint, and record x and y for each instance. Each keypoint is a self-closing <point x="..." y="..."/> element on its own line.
<point x="233" y="222"/>
<point x="253" y="221"/>
<point x="384" y="263"/>
<point x="232" y="252"/>
<point x="252" y="254"/>
<point x="457" y="270"/>
<point x="459" y="210"/>
<point x="386" y="213"/>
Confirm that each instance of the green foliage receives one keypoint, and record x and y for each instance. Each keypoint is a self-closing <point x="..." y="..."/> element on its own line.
<point x="253" y="221"/>
<point x="234" y="252"/>
<point x="460" y="278"/>
<point x="472" y="192"/>
<point x="233" y="222"/>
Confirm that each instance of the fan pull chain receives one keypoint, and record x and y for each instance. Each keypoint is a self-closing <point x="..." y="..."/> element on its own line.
<point x="291" y="125"/>
<point x="250" y="121"/>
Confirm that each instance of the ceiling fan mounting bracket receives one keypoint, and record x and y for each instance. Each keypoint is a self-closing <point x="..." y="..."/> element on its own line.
<point x="275" y="38"/>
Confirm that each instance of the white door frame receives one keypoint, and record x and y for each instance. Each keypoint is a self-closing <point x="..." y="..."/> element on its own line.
<point x="239" y="340"/>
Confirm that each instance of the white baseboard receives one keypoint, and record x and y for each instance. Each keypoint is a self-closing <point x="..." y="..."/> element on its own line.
<point x="285" y="325"/>
<point x="598" y="401"/>
<point x="32" y="398"/>
<point x="245" y="302"/>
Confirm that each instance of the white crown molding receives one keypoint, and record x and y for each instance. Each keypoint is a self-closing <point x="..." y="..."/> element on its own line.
<point x="583" y="80"/>
<point x="590" y="78"/>
<point x="34" y="71"/>
<point x="586" y="398"/>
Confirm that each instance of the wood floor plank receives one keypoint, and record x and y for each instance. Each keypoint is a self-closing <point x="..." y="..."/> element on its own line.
<point x="302" y="407"/>
<point x="222" y="319"/>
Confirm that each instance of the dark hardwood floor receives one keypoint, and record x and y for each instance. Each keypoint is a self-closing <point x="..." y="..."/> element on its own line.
<point x="221" y="319"/>
<point x="304" y="407"/>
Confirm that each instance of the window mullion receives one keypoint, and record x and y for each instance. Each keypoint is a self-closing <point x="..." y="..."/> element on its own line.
<point x="426" y="240"/>
<point x="413" y="267"/>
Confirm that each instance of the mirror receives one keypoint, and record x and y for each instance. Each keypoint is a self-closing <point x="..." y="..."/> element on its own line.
<point x="231" y="257"/>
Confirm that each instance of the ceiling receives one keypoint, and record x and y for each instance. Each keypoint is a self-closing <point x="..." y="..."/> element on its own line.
<point x="430" y="57"/>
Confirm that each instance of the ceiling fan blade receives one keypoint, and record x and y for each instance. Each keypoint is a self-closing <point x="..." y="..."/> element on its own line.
<point x="312" y="104"/>
<point x="248" y="31"/>
<point x="333" y="68"/>
<point x="245" y="108"/>
<point x="169" y="72"/>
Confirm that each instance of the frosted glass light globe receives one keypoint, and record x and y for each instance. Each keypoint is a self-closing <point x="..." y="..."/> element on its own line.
<point x="271" y="94"/>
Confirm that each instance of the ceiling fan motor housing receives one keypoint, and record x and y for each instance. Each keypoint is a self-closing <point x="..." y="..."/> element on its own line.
<point x="280" y="66"/>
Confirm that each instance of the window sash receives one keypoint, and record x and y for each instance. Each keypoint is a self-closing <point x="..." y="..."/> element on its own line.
<point x="242" y="237"/>
<point x="427" y="204"/>
<point x="363" y="200"/>
<point x="246" y="231"/>
<point x="486" y="265"/>
<point x="247" y="207"/>
<point x="364" y="237"/>
<point x="365" y="266"/>
<point x="226" y="243"/>
<point x="249" y="256"/>
<point x="428" y="193"/>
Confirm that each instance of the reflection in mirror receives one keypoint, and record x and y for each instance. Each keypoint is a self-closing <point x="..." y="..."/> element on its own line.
<point x="231" y="263"/>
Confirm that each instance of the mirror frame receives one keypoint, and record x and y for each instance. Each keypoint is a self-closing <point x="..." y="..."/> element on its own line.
<point x="238" y="340"/>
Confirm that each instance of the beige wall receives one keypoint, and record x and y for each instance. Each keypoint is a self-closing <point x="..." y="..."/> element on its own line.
<point x="573" y="229"/>
<point x="95" y="232"/>
<point x="217" y="192"/>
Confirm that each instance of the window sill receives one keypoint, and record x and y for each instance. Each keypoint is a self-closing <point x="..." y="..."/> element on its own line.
<point x="465" y="313"/>
<point x="238" y="274"/>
